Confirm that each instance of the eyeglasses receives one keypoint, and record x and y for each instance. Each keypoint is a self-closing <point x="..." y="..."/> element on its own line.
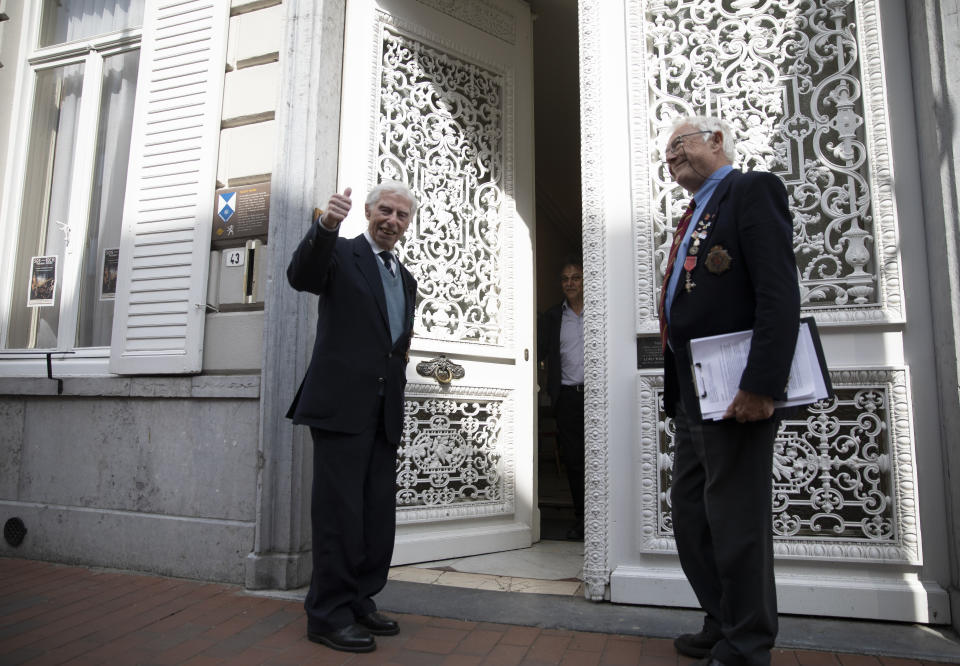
<point x="677" y="144"/>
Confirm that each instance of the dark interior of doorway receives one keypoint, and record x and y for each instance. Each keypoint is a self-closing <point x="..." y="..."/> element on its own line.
<point x="553" y="491"/>
<point x="558" y="220"/>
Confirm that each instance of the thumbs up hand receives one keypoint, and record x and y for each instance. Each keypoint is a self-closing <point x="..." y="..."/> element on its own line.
<point x="337" y="209"/>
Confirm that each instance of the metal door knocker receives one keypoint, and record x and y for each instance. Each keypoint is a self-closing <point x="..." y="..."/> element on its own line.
<point x="441" y="369"/>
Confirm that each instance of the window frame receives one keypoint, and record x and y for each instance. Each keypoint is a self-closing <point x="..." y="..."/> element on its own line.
<point x="91" y="53"/>
<point x="170" y="41"/>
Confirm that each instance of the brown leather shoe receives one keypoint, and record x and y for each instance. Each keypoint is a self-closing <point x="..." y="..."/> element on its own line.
<point x="352" y="638"/>
<point x="696" y="645"/>
<point x="379" y="624"/>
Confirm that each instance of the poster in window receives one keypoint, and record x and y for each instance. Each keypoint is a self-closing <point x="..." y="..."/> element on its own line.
<point x="108" y="275"/>
<point x="43" y="281"/>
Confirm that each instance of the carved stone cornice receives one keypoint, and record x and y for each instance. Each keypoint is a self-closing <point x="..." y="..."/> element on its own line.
<point x="482" y="15"/>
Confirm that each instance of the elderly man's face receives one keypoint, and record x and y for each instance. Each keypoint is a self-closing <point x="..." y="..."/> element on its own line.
<point x="388" y="219"/>
<point x="690" y="159"/>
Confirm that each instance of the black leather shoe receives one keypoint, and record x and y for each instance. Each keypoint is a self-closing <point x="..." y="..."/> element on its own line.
<point x="353" y="638"/>
<point x="379" y="624"/>
<point x="696" y="645"/>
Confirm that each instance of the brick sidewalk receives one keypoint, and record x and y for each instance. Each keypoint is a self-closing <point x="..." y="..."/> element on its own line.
<point x="56" y="614"/>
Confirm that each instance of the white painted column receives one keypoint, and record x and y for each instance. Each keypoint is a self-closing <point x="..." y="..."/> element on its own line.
<point x="304" y="176"/>
<point x="934" y="40"/>
<point x="609" y="335"/>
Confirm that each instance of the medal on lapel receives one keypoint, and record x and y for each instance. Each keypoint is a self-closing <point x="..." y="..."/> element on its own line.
<point x="700" y="233"/>
<point x="688" y="265"/>
<point x="718" y="260"/>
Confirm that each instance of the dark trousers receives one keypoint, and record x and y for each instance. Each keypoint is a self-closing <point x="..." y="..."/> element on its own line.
<point x="569" y="415"/>
<point x="721" y="497"/>
<point x="353" y="516"/>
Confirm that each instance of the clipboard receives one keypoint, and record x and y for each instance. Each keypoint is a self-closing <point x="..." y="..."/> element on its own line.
<point x="718" y="362"/>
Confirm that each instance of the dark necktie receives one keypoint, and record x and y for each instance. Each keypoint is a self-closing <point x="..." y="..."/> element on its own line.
<point x="388" y="261"/>
<point x="671" y="259"/>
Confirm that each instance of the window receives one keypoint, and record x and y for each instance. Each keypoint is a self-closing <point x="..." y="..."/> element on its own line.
<point x="74" y="174"/>
<point x="105" y="234"/>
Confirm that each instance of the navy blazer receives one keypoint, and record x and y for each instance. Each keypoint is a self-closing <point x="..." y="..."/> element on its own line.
<point x="354" y="358"/>
<point x="548" y="348"/>
<point x="745" y="278"/>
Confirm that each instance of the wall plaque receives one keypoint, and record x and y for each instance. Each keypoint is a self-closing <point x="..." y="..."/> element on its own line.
<point x="649" y="353"/>
<point x="241" y="213"/>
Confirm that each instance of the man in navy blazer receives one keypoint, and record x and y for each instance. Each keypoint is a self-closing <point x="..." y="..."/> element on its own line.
<point x="352" y="399"/>
<point x="734" y="270"/>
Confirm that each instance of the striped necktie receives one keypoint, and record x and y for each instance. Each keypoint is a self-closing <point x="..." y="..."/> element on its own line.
<point x="671" y="259"/>
<point x="388" y="261"/>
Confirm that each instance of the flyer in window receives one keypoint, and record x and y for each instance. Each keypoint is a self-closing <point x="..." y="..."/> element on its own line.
<point x="43" y="281"/>
<point x="108" y="274"/>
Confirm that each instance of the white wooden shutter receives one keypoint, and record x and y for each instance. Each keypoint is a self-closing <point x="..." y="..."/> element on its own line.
<point x="165" y="244"/>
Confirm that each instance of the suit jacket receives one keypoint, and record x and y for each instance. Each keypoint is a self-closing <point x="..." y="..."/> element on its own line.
<point x="745" y="278"/>
<point x="354" y="358"/>
<point x="548" y="348"/>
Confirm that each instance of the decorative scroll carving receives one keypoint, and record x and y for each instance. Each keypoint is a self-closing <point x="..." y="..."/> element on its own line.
<point x="596" y="565"/>
<point x="481" y="15"/>
<point x="454" y="459"/>
<point x="440" y="130"/>
<point x="844" y="483"/>
<point x="800" y="81"/>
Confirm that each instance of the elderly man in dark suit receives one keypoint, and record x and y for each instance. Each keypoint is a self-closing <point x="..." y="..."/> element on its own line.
<point x="352" y="399"/>
<point x="731" y="268"/>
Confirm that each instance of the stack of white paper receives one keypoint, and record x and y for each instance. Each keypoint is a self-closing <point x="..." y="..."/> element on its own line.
<point x="719" y="362"/>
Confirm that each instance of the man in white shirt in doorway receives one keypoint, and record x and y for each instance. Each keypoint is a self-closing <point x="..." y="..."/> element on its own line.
<point x="560" y="343"/>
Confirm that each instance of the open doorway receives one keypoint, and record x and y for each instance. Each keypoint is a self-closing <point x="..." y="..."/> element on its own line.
<point x="557" y="199"/>
<point x="558" y="221"/>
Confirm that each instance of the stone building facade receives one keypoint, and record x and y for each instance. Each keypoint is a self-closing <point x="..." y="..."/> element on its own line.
<point x="143" y="409"/>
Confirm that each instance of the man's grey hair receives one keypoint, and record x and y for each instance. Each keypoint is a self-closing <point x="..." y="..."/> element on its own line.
<point x="392" y="187"/>
<point x="710" y="124"/>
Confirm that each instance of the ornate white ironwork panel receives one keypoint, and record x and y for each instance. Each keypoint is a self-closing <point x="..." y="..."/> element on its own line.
<point x="844" y="485"/>
<point x="801" y="83"/>
<point x="441" y="130"/>
<point x="455" y="460"/>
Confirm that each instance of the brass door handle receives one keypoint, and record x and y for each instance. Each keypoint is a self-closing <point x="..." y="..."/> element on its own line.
<point x="441" y="368"/>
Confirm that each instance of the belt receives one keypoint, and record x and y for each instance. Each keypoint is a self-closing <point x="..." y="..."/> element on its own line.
<point x="572" y="387"/>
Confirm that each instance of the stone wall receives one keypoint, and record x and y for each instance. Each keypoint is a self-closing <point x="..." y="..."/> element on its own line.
<point x="148" y="474"/>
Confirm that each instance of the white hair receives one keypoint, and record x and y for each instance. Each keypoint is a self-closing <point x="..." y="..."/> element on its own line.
<point x="392" y="187"/>
<point x="710" y="124"/>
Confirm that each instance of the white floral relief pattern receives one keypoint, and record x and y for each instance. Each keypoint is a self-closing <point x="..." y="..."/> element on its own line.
<point x="440" y="130"/>
<point x="479" y="14"/>
<point x="786" y="74"/>
<point x="841" y="475"/>
<point x="450" y="456"/>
